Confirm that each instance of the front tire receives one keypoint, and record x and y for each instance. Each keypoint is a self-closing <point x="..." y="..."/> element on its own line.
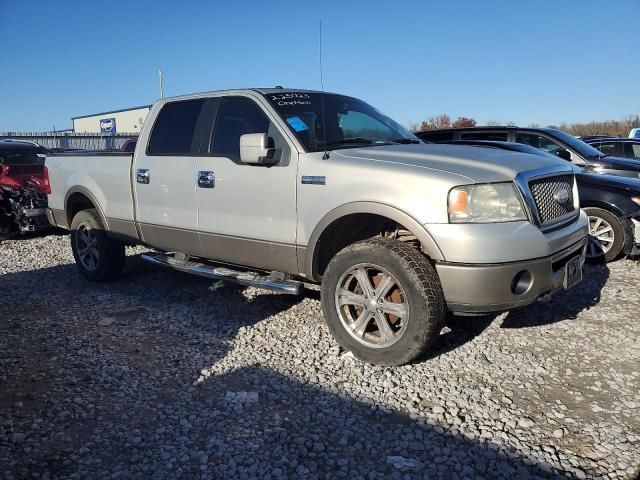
<point x="383" y="301"/>
<point x="99" y="258"/>
<point x="606" y="236"/>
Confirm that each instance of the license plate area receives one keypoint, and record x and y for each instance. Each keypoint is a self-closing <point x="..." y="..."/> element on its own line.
<point x="572" y="272"/>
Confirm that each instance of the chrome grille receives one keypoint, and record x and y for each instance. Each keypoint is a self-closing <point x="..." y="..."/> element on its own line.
<point x="549" y="199"/>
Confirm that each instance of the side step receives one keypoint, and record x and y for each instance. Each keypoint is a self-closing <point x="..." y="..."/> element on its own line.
<point x="274" y="281"/>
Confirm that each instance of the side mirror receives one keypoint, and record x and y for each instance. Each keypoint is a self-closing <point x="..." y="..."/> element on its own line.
<point x="255" y="150"/>
<point x="564" y="154"/>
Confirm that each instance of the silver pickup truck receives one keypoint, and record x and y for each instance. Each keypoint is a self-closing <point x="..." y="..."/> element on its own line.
<point x="276" y="187"/>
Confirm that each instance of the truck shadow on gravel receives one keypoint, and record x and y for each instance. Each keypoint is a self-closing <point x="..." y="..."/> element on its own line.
<point x="260" y="422"/>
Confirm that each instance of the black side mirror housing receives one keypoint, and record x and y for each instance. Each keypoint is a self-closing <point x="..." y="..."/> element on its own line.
<point x="564" y="154"/>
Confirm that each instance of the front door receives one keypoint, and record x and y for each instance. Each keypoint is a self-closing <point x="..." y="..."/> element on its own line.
<point x="248" y="215"/>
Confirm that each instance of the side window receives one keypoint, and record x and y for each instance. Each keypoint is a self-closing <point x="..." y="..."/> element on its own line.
<point x="636" y="150"/>
<point x="606" y="148"/>
<point x="494" y="136"/>
<point x="435" y="136"/>
<point x="174" y="129"/>
<point x="236" y="117"/>
<point x="538" y="141"/>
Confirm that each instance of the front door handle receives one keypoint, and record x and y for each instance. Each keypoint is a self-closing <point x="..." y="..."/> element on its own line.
<point x="206" y="179"/>
<point x="142" y="175"/>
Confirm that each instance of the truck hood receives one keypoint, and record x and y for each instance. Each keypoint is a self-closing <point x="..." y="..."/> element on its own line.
<point x="474" y="164"/>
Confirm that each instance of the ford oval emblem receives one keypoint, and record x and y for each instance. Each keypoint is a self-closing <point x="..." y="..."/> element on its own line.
<point x="561" y="196"/>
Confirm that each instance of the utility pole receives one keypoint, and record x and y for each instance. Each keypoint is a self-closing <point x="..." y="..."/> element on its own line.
<point x="161" y="75"/>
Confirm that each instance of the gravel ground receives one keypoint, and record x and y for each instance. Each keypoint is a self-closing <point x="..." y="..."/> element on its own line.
<point x="165" y="375"/>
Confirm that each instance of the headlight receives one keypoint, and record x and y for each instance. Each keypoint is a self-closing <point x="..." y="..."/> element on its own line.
<point x="485" y="203"/>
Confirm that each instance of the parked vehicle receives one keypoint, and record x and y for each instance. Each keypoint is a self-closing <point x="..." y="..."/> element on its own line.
<point x="634" y="133"/>
<point x="617" y="147"/>
<point x="129" y="145"/>
<point x="293" y="186"/>
<point x="23" y="187"/>
<point x="611" y="202"/>
<point x="550" y="140"/>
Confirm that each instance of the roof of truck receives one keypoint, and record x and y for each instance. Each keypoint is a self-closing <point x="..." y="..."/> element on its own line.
<point x="264" y="91"/>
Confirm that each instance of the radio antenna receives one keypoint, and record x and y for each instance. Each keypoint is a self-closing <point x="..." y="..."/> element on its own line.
<point x="325" y="156"/>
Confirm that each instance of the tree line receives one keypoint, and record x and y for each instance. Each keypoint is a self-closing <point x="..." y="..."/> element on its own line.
<point x="618" y="128"/>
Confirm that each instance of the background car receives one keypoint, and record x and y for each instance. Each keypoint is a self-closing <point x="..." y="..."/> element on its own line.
<point x="634" y="133"/>
<point x="617" y="147"/>
<point x="550" y="140"/>
<point x="23" y="187"/>
<point x="611" y="202"/>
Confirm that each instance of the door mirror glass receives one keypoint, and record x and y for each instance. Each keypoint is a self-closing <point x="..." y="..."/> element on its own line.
<point x="255" y="149"/>
<point x="564" y="154"/>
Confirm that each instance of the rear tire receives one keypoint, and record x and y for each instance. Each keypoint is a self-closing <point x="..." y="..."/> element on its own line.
<point x="383" y="301"/>
<point x="606" y="236"/>
<point x="99" y="258"/>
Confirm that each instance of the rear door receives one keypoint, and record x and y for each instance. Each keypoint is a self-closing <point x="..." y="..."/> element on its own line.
<point x="164" y="178"/>
<point x="247" y="215"/>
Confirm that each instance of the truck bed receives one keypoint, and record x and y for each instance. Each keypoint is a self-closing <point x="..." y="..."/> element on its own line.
<point x="104" y="176"/>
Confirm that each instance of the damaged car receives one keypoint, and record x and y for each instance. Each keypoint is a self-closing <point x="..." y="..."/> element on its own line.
<point x="23" y="188"/>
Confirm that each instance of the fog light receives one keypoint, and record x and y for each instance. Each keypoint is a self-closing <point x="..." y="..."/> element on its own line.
<point x="522" y="282"/>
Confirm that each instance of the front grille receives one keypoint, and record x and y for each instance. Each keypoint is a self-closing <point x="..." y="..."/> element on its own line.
<point x="548" y="194"/>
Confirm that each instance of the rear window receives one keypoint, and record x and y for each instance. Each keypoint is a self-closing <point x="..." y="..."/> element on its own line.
<point x="22" y="157"/>
<point x="175" y="127"/>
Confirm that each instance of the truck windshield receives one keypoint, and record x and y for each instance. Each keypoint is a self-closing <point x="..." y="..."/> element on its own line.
<point x="347" y="123"/>
<point x="22" y="157"/>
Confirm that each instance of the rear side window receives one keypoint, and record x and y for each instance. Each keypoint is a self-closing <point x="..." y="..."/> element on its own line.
<point x="174" y="130"/>
<point x="635" y="150"/>
<point x="494" y="136"/>
<point x="606" y="148"/>
<point x="236" y="117"/>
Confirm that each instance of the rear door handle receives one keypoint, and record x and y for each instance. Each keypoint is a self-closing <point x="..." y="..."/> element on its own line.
<point x="206" y="179"/>
<point x="142" y="175"/>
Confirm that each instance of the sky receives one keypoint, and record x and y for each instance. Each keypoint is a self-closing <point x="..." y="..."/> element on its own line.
<point x="541" y="62"/>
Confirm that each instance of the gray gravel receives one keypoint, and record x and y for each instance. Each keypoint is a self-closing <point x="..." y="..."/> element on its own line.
<point x="164" y="375"/>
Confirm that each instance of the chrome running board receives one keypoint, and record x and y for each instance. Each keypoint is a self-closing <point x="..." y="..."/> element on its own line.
<point x="274" y="281"/>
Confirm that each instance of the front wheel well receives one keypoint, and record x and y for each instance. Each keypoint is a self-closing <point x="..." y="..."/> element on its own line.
<point x="352" y="228"/>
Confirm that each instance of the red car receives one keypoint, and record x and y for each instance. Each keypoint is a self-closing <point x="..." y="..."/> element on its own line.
<point x="24" y="185"/>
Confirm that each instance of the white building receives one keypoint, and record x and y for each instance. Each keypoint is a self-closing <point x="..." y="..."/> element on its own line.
<point x="128" y="120"/>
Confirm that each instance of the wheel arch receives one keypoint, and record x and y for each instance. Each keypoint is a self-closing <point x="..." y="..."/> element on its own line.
<point x="80" y="198"/>
<point x="340" y="217"/>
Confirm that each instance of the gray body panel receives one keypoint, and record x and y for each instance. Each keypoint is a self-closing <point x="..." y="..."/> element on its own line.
<point x="272" y="218"/>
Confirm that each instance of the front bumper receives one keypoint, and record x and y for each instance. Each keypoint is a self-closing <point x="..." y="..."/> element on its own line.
<point x="490" y="288"/>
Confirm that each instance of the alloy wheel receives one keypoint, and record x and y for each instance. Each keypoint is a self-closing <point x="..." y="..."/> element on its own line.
<point x="372" y="305"/>
<point x="601" y="237"/>
<point x="87" y="247"/>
